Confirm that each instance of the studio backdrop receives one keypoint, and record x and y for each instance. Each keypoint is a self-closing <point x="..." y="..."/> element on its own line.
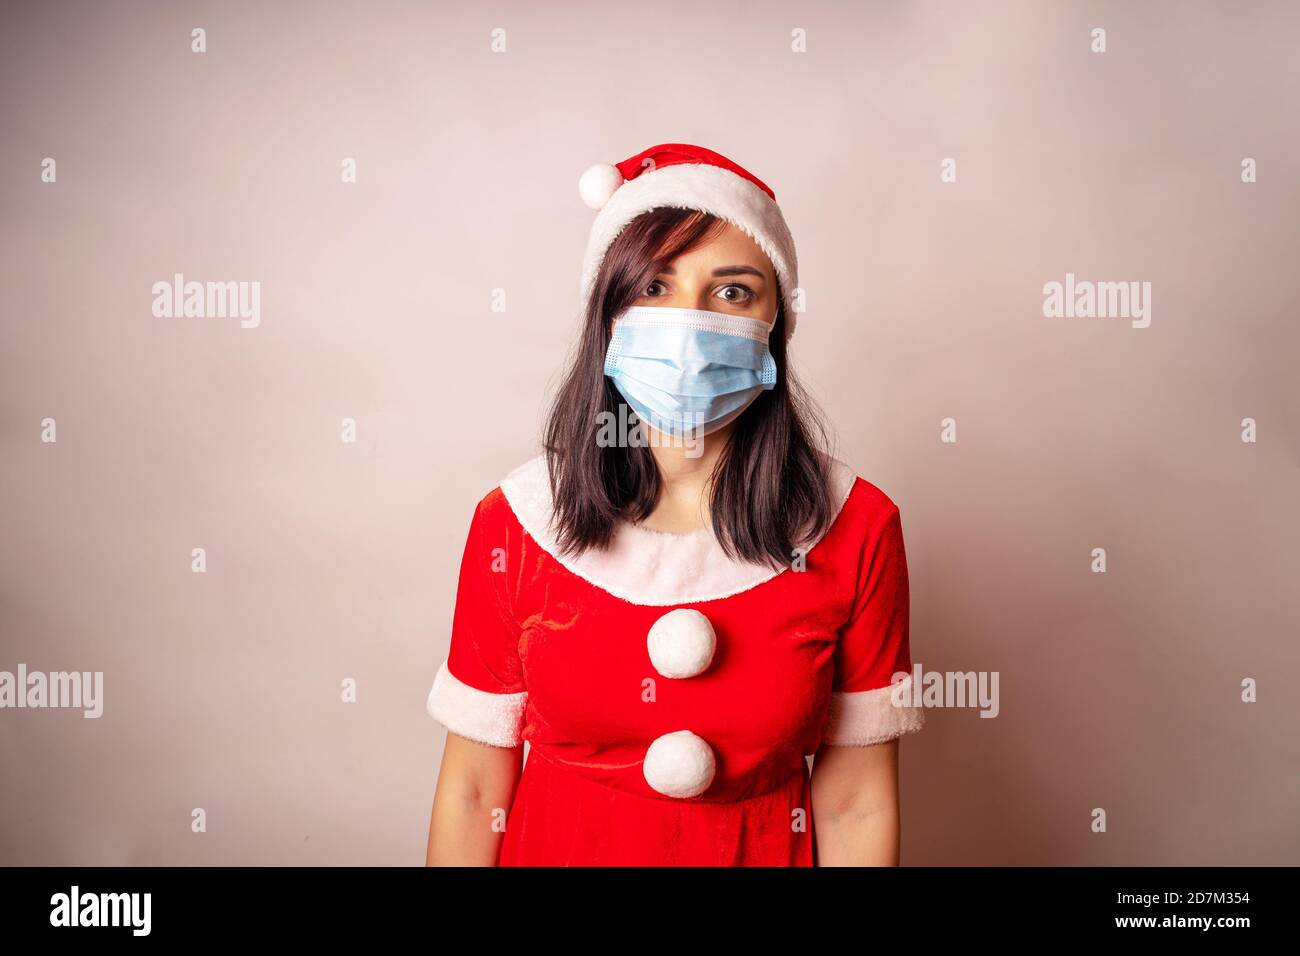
<point x="1048" y="267"/>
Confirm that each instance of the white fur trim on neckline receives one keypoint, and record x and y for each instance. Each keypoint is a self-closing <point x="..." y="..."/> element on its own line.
<point x="643" y="566"/>
<point x="861" y="718"/>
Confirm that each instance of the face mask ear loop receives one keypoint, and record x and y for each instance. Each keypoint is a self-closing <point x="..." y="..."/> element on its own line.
<point x="615" y="350"/>
<point x="767" y="377"/>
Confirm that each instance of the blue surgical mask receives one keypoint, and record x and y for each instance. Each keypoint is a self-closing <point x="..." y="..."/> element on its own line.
<point x="688" y="370"/>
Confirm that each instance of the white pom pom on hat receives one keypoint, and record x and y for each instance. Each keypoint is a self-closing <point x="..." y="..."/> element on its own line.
<point x="687" y="177"/>
<point x="598" y="184"/>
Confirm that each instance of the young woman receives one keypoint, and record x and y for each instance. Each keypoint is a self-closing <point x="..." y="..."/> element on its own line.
<point x="685" y="595"/>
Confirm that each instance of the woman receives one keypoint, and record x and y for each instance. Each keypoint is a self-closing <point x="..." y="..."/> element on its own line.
<point x="684" y="595"/>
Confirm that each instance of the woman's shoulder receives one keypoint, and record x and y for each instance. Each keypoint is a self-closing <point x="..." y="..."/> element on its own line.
<point x="870" y="501"/>
<point x="864" y="511"/>
<point x="525" y="490"/>
<point x="648" y="567"/>
<point x="520" y="500"/>
<point x="523" y="498"/>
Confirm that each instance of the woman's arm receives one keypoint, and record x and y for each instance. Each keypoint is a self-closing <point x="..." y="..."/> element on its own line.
<point x="471" y="803"/>
<point x="855" y="805"/>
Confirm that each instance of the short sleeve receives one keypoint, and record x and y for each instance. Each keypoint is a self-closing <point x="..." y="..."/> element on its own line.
<point x="868" y="706"/>
<point x="478" y="691"/>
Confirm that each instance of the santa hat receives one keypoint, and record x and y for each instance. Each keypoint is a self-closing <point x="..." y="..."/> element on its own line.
<point x="686" y="177"/>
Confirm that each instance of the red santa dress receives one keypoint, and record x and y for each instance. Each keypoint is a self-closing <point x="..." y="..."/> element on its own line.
<point x="668" y="694"/>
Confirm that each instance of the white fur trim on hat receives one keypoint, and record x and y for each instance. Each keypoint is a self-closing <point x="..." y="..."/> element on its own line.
<point x="860" y="718"/>
<point x="495" y="719"/>
<point x="643" y="566"/>
<point x="700" y="186"/>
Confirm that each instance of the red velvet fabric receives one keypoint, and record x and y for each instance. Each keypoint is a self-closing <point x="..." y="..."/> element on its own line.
<point x="595" y="702"/>
<point x="670" y="154"/>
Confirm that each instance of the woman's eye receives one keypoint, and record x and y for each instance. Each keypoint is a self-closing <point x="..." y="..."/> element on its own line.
<point x="649" y="290"/>
<point x="742" y="294"/>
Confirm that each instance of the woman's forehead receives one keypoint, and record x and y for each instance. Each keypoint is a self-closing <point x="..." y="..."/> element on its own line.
<point x="729" y="242"/>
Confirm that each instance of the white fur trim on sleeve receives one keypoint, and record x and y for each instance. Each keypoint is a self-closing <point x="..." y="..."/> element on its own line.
<point x="860" y="718"/>
<point x="495" y="719"/>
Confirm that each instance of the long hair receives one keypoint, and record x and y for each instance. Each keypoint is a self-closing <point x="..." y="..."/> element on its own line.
<point x="770" y="487"/>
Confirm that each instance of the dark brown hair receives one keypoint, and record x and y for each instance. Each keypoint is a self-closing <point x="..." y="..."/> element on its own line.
<point x="770" y="487"/>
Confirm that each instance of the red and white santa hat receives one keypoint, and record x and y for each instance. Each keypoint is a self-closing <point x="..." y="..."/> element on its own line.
<point x="686" y="177"/>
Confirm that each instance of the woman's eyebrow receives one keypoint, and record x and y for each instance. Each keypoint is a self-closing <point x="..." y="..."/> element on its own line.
<point x="722" y="271"/>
